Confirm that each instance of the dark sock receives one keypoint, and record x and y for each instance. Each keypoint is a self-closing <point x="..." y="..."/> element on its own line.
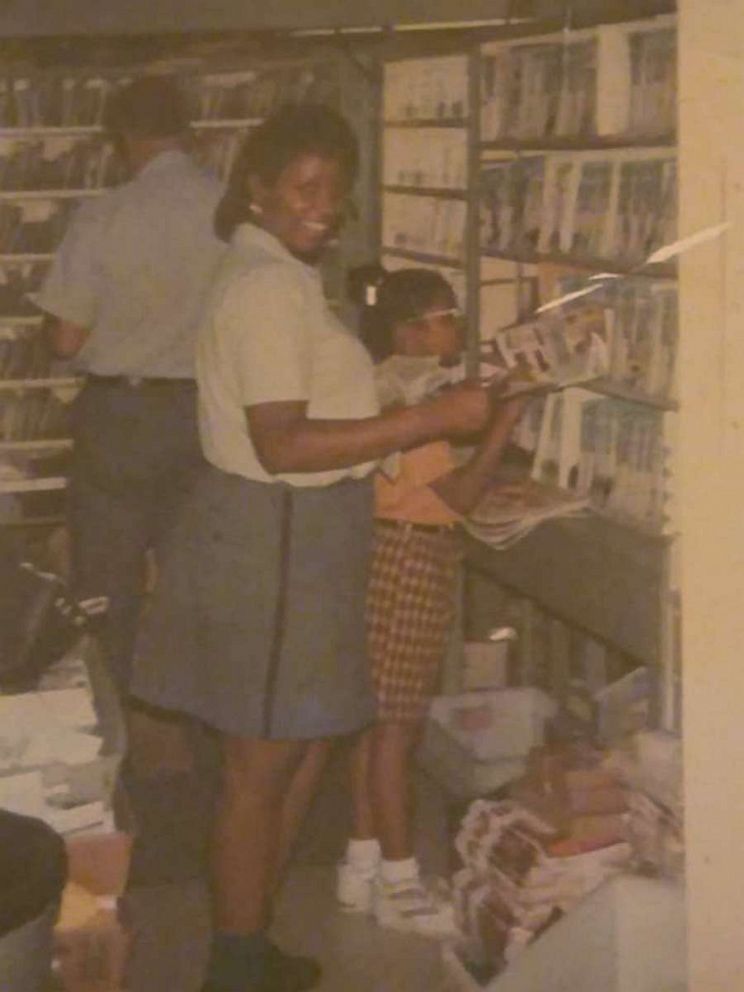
<point x="236" y="960"/>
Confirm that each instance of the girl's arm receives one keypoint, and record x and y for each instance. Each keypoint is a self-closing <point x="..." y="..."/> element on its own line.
<point x="462" y="488"/>
<point x="286" y="440"/>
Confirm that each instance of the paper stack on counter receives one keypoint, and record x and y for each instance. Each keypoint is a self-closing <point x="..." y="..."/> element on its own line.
<point x="509" y="512"/>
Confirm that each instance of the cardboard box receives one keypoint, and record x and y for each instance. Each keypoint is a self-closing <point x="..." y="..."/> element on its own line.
<point x="90" y="943"/>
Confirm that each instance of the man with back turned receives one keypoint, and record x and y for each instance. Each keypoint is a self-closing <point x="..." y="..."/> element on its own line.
<point x="123" y="299"/>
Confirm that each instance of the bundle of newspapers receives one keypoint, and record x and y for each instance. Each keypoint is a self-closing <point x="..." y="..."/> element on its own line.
<point x="513" y="509"/>
<point x="519" y="876"/>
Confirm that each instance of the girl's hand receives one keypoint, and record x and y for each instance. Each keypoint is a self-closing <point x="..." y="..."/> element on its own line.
<point x="509" y="410"/>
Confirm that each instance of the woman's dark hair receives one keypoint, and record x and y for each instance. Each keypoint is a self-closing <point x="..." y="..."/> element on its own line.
<point x="390" y="298"/>
<point x="293" y="130"/>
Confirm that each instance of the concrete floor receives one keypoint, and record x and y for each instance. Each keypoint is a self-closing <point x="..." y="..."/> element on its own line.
<point x="171" y="923"/>
<point x="356" y="954"/>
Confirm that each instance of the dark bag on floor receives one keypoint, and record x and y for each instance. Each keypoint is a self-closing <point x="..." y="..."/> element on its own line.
<point x="39" y="621"/>
<point x="33" y="869"/>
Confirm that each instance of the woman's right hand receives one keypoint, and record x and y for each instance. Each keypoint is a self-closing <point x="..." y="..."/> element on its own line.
<point x="461" y="409"/>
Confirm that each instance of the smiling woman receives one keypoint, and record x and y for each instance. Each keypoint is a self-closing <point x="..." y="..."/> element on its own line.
<point x="257" y="624"/>
<point x="303" y="208"/>
<point x="292" y="178"/>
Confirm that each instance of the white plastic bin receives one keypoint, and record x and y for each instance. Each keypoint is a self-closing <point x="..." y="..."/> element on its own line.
<point x="495" y="723"/>
<point x="476" y="762"/>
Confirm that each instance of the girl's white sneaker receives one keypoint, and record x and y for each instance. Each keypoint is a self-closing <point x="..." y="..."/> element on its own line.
<point x="354" y="884"/>
<point x="415" y="907"/>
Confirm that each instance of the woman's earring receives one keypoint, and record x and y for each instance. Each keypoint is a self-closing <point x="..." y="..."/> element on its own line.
<point x="255" y="208"/>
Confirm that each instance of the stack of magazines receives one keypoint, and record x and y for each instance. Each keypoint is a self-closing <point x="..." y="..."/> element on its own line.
<point x="510" y="511"/>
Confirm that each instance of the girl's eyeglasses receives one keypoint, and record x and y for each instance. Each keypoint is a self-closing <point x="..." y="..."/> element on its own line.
<point x="454" y="312"/>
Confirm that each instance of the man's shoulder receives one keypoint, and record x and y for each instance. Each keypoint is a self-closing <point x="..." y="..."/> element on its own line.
<point x="174" y="178"/>
<point x="191" y="171"/>
<point x="191" y="193"/>
<point x="179" y="171"/>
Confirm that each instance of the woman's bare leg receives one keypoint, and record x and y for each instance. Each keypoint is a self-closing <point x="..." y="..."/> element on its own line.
<point x="265" y="791"/>
<point x="302" y="788"/>
<point x="256" y="778"/>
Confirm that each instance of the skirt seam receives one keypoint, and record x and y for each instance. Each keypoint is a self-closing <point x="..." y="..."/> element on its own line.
<point x="272" y="671"/>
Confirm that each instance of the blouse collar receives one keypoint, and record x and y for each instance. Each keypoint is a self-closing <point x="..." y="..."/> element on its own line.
<point x="248" y="238"/>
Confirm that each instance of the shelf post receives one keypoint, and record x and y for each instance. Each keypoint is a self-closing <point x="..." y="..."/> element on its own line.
<point x="472" y="214"/>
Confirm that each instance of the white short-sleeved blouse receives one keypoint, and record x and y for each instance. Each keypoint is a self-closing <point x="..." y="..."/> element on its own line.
<point x="269" y="335"/>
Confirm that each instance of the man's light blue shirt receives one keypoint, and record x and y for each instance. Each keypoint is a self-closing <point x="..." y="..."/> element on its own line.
<point x="135" y="267"/>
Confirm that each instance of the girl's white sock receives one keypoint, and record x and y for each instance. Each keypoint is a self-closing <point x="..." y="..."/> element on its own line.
<point x="363" y="853"/>
<point x="404" y="870"/>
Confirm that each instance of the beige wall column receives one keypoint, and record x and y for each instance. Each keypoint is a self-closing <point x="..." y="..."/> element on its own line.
<point x="710" y="484"/>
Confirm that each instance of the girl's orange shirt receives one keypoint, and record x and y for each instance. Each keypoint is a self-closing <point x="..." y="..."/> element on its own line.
<point x="409" y="496"/>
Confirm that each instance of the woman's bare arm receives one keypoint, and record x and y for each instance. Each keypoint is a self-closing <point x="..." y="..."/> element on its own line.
<point x="286" y="440"/>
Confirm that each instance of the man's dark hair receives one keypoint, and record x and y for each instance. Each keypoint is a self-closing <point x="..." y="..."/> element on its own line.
<point x="149" y="107"/>
<point x="294" y="130"/>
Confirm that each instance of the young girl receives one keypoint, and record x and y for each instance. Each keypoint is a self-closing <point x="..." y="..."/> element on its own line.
<point x="412" y="327"/>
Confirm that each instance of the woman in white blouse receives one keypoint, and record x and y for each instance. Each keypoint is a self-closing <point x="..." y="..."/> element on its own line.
<point x="257" y="625"/>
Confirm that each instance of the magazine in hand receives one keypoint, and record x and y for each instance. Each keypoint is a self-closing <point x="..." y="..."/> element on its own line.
<point x="549" y="352"/>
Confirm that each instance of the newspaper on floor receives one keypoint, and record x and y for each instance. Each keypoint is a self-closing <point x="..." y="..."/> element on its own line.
<point x="57" y="762"/>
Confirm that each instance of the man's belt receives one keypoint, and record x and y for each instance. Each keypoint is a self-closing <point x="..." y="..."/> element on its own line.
<point x="139" y="382"/>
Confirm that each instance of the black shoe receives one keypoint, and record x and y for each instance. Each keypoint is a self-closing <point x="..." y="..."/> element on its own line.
<point x="280" y="972"/>
<point x="289" y="972"/>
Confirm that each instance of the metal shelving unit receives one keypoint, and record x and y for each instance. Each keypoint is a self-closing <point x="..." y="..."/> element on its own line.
<point x="25" y="188"/>
<point x="604" y="576"/>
